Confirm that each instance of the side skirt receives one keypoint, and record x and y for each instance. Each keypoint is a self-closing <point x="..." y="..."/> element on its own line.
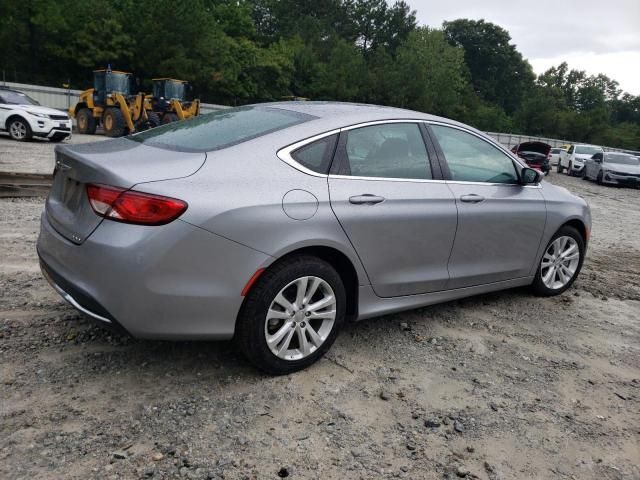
<point x="370" y="305"/>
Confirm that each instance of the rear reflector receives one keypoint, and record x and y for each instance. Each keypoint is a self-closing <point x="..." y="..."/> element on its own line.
<point x="129" y="206"/>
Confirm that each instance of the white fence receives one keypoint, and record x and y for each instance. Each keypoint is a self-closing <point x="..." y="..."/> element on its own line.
<point x="62" y="98"/>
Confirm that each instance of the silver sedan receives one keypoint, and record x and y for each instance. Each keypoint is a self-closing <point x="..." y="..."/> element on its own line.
<point x="276" y="223"/>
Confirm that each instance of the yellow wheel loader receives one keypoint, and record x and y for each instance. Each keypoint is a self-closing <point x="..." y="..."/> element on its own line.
<point x="168" y="102"/>
<point x="111" y="104"/>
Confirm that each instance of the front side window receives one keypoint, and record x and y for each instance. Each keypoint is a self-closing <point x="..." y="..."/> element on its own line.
<point x="391" y="150"/>
<point x="471" y="159"/>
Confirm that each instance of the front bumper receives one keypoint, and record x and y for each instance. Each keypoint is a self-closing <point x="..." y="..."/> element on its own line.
<point x="176" y="281"/>
<point x="577" y="167"/>
<point x="621" y="179"/>
<point x="47" y="128"/>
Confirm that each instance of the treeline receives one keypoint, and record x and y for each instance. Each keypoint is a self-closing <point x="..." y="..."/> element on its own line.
<point x="244" y="51"/>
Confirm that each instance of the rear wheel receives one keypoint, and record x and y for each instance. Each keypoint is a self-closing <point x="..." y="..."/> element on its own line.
<point x="292" y="315"/>
<point x="169" y="117"/>
<point x="560" y="263"/>
<point x="113" y="123"/>
<point x="86" y="121"/>
<point x="19" y="129"/>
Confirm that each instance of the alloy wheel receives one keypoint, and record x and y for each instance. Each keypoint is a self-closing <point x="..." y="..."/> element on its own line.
<point x="18" y="130"/>
<point x="300" y="318"/>
<point x="560" y="262"/>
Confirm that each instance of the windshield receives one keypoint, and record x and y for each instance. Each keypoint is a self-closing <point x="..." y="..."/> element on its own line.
<point x="221" y="129"/>
<point x="622" y="159"/>
<point x="586" y="150"/>
<point x="113" y="82"/>
<point x="17" y="98"/>
<point x="174" y="90"/>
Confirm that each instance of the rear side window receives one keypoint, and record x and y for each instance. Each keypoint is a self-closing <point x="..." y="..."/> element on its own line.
<point x="221" y="129"/>
<point x="316" y="156"/>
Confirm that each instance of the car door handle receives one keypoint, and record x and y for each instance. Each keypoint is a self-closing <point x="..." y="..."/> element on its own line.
<point x="472" y="198"/>
<point x="366" y="199"/>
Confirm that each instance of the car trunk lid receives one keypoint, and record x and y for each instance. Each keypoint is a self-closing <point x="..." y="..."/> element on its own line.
<point x="119" y="163"/>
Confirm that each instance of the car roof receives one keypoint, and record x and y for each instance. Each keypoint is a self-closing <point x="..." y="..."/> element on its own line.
<point x="340" y="114"/>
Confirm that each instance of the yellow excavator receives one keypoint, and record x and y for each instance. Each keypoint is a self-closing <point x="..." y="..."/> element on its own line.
<point x="111" y="103"/>
<point x="168" y="102"/>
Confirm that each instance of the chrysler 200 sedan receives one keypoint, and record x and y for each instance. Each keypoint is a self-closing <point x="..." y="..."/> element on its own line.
<point x="274" y="224"/>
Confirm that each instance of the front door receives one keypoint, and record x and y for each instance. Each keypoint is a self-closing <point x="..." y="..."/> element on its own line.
<point x="500" y="222"/>
<point x="400" y="220"/>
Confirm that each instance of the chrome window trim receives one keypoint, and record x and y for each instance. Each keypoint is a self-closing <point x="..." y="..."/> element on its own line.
<point x="284" y="154"/>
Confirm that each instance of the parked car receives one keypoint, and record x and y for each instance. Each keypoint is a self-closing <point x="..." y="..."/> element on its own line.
<point x="573" y="161"/>
<point x="613" y="168"/>
<point x="535" y="154"/>
<point x="554" y="156"/>
<point x="276" y="223"/>
<point x="23" y="118"/>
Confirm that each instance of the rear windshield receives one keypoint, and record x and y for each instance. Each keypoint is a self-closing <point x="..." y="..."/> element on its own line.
<point x="221" y="129"/>
<point x="555" y="150"/>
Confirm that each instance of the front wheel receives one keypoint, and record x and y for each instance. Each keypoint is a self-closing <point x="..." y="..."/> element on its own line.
<point x="560" y="263"/>
<point x="599" y="178"/>
<point x="559" y="168"/>
<point x="292" y="315"/>
<point x="20" y="130"/>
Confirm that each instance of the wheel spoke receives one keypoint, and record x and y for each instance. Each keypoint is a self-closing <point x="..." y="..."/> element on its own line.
<point x="284" y="346"/>
<point x="305" y="347"/>
<point x="549" y="276"/>
<point x="312" y="290"/>
<point x="325" y="302"/>
<point x="301" y="286"/>
<point x="277" y="315"/>
<point x="274" y="340"/>
<point x="284" y="303"/>
<point x="313" y="335"/>
<point x="325" y="314"/>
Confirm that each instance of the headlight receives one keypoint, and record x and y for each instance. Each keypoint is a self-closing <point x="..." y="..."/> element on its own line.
<point x="36" y="114"/>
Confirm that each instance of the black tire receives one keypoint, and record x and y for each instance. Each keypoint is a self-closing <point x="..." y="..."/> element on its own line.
<point x="153" y="119"/>
<point x="19" y="129"/>
<point x="113" y="123"/>
<point x="250" y="326"/>
<point x="599" y="178"/>
<point x="559" y="168"/>
<point x="570" y="170"/>
<point x="583" y="174"/>
<point x="538" y="286"/>
<point x="169" y="117"/>
<point x="86" y="122"/>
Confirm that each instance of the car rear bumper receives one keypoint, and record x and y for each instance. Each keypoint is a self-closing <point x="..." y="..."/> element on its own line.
<point x="171" y="282"/>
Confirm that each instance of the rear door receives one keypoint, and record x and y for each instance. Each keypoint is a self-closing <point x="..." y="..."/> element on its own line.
<point x="386" y="190"/>
<point x="500" y="222"/>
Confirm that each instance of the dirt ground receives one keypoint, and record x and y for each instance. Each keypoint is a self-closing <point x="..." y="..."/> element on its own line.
<point x="498" y="386"/>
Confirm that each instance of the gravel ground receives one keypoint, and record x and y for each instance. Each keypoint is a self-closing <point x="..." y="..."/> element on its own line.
<point x="35" y="156"/>
<point x="498" y="386"/>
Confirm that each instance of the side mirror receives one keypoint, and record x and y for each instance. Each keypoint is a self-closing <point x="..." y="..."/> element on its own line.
<point x="530" y="176"/>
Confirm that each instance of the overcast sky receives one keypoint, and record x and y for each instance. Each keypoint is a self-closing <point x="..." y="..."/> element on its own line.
<point x="592" y="35"/>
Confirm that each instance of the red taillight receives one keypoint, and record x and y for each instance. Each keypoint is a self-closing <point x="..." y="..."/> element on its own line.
<point x="129" y="206"/>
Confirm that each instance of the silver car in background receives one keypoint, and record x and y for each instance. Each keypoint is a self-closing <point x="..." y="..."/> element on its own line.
<point x="614" y="168"/>
<point x="275" y="223"/>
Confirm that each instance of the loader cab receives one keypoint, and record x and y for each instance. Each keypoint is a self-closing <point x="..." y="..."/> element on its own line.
<point x="107" y="81"/>
<point x="170" y="89"/>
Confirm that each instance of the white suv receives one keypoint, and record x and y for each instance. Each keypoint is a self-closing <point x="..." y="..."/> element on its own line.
<point x="24" y="118"/>
<point x="573" y="160"/>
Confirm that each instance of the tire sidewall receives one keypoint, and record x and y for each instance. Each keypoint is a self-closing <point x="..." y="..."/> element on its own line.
<point x="538" y="285"/>
<point x="253" y="314"/>
<point x="28" y="133"/>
